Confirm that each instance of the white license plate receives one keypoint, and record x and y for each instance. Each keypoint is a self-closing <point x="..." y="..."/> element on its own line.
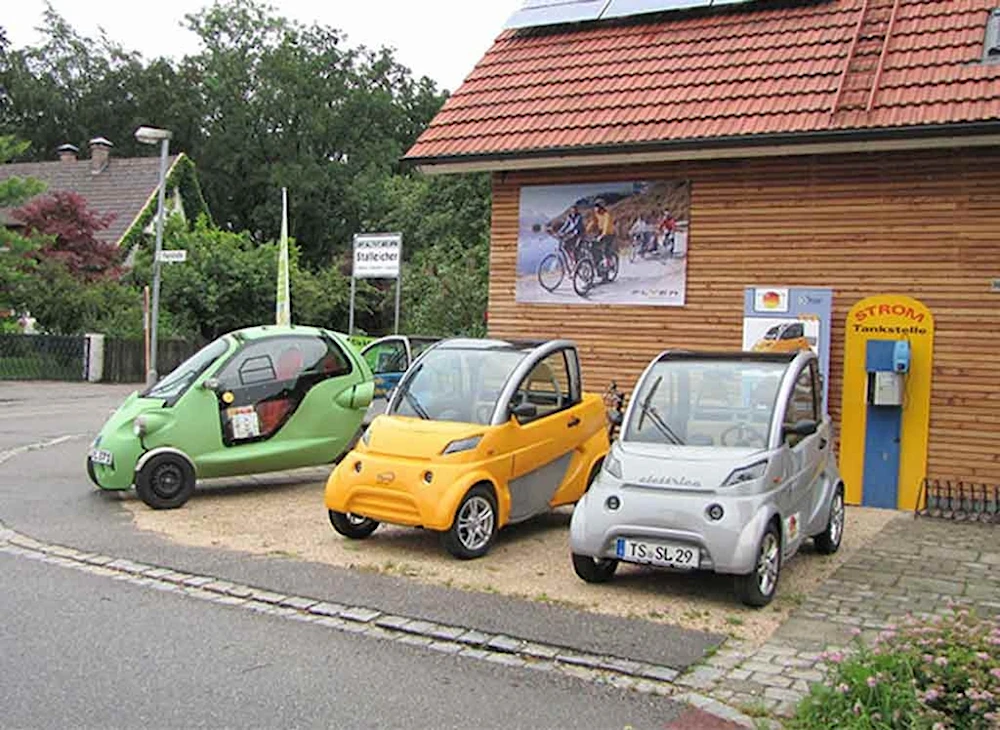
<point x="657" y="553"/>
<point x="101" y="456"/>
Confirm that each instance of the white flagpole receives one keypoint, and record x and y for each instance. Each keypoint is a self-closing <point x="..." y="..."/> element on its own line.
<point x="283" y="306"/>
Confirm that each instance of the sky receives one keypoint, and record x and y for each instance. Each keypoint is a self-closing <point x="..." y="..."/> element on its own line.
<point x="442" y="39"/>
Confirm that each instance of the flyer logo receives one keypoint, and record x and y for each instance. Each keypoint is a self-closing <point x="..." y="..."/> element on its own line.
<point x="770" y="300"/>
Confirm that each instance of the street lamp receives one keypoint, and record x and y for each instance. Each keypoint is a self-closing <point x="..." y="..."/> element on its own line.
<point x="152" y="135"/>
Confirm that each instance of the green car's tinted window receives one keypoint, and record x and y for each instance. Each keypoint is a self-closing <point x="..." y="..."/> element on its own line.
<point x="179" y="380"/>
<point x="270" y="377"/>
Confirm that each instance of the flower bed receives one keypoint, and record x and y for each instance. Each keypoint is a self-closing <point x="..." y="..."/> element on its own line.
<point x="936" y="674"/>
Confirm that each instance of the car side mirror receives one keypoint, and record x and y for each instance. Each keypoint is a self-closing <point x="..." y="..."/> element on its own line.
<point x="803" y="428"/>
<point x="524" y="410"/>
<point x="211" y="384"/>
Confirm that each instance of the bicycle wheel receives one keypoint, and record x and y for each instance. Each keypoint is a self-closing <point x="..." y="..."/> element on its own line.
<point x="633" y="251"/>
<point x="583" y="277"/>
<point x="612" y="271"/>
<point x="551" y="272"/>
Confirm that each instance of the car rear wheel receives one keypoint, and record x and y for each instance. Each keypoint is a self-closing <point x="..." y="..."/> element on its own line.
<point x="474" y="528"/>
<point x="166" y="481"/>
<point x="758" y="588"/>
<point x="828" y="541"/>
<point x="351" y="525"/>
<point x="594" y="570"/>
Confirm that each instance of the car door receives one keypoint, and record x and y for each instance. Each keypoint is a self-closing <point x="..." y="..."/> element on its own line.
<point x="388" y="359"/>
<point x="542" y="443"/>
<point x="277" y="402"/>
<point x="803" y="456"/>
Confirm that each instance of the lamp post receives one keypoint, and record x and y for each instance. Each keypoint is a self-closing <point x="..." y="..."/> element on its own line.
<point x="152" y="135"/>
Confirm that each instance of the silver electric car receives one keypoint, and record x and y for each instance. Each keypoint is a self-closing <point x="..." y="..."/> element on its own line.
<point x="724" y="463"/>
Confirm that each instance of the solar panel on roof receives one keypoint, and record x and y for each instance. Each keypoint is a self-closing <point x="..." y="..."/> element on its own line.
<point x="626" y="8"/>
<point x="552" y="12"/>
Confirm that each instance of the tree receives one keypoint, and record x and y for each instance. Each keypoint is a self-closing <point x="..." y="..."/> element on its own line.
<point x="68" y="230"/>
<point x="15" y="250"/>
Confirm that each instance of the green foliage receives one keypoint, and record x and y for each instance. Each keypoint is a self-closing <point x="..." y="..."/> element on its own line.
<point x="937" y="675"/>
<point x="15" y="249"/>
<point x="445" y="290"/>
<point x="182" y="176"/>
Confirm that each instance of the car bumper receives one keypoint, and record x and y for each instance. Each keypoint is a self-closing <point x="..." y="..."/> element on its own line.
<point x="120" y="474"/>
<point x="414" y="492"/>
<point x="726" y="545"/>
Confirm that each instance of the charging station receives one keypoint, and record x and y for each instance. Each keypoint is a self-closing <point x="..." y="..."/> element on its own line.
<point x="885" y="413"/>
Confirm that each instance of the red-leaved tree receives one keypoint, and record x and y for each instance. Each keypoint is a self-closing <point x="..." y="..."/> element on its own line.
<point x="71" y="228"/>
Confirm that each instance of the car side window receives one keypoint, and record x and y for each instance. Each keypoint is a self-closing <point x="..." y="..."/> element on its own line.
<point x="269" y="378"/>
<point x="793" y="332"/>
<point x="802" y="405"/>
<point x="546" y="387"/>
<point x="387" y="357"/>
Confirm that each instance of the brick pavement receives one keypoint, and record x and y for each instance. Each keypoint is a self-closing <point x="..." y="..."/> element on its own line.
<point x="919" y="566"/>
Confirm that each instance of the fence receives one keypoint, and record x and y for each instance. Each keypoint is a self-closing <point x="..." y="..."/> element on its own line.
<point x="959" y="500"/>
<point x="42" y="357"/>
<point x="125" y="360"/>
<point x="56" y="357"/>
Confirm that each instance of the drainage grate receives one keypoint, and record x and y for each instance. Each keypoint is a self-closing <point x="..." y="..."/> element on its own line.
<point x="959" y="500"/>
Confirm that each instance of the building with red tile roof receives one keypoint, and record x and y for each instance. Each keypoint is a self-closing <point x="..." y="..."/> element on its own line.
<point x="851" y="146"/>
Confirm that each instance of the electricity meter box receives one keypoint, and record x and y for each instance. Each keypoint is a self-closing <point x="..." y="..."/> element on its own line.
<point x="887" y="363"/>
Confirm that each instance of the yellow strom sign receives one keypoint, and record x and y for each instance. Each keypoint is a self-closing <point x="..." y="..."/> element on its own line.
<point x="885" y="414"/>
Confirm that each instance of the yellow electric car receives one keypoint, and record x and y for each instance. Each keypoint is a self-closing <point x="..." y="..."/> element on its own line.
<point x="478" y="434"/>
<point x="784" y="337"/>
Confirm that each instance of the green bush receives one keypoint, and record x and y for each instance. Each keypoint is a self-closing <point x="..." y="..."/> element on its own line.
<point x="934" y="675"/>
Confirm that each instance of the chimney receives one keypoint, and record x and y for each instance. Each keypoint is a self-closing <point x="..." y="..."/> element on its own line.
<point x="67" y="152"/>
<point x="100" y="151"/>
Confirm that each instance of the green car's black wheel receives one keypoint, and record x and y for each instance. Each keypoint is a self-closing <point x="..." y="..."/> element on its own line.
<point x="353" y="526"/>
<point x="91" y="473"/>
<point x="166" y="481"/>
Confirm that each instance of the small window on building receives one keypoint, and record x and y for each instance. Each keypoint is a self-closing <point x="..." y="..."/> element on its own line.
<point x="991" y="52"/>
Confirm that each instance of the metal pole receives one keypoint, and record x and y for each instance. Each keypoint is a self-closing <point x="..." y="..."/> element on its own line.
<point x="399" y="286"/>
<point x="350" y="320"/>
<point x="151" y="375"/>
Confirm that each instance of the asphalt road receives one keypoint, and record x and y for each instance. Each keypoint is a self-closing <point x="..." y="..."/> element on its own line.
<point x="83" y="651"/>
<point x="45" y="494"/>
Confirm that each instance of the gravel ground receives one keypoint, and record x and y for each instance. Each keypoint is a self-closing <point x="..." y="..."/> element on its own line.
<point x="284" y="515"/>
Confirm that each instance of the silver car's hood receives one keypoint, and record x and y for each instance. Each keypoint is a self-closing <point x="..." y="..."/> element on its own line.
<point x="694" y="468"/>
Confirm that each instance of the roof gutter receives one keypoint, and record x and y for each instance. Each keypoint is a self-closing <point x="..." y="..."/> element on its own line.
<point x="938" y="136"/>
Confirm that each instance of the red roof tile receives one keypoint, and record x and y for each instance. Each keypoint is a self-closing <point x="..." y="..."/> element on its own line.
<point x="750" y="70"/>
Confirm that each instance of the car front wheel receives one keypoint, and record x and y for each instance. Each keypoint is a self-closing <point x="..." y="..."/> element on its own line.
<point x="475" y="525"/>
<point x="828" y="541"/>
<point x="594" y="570"/>
<point x="166" y="481"/>
<point x="351" y="525"/>
<point x="758" y="588"/>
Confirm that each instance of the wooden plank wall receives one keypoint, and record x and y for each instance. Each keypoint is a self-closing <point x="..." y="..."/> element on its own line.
<point x="923" y="224"/>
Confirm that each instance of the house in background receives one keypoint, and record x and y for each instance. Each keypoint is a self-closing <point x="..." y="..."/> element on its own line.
<point x="125" y="187"/>
<point x="848" y="145"/>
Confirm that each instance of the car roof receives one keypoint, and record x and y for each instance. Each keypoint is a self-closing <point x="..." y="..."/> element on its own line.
<point x="779" y="357"/>
<point x="468" y="343"/>
<point x="276" y="330"/>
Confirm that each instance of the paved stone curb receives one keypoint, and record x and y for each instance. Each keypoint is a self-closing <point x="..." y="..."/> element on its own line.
<point x="455" y="640"/>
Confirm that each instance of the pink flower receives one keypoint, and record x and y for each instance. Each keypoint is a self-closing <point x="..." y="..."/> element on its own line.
<point x="843" y="688"/>
<point x="857" y="708"/>
<point x="835" y="657"/>
<point x="941" y="661"/>
<point x="872" y="682"/>
<point x="995" y="672"/>
<point x="982" y="656"/>
<point x="855" y="631"/>
<point x="931" y="695"/>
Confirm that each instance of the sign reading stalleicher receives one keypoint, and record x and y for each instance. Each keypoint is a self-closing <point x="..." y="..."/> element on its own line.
<point x="376" y="255"/>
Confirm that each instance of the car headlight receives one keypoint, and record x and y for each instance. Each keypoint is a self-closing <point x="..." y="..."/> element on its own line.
<point x="746" y="474"/>
<point x="462" y="445"/>
<point x="139" y="426"/>
<point x="613" y="466"/>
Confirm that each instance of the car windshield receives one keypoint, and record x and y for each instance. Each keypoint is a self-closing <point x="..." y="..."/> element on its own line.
<point x="456" y="384"/>
<point x="710" y="402"/>
<point x="179" y="380"/>
<point x="772" y="334"/>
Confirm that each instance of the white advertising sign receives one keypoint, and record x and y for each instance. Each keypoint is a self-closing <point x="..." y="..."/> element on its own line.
<point x="376" y="255"/>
